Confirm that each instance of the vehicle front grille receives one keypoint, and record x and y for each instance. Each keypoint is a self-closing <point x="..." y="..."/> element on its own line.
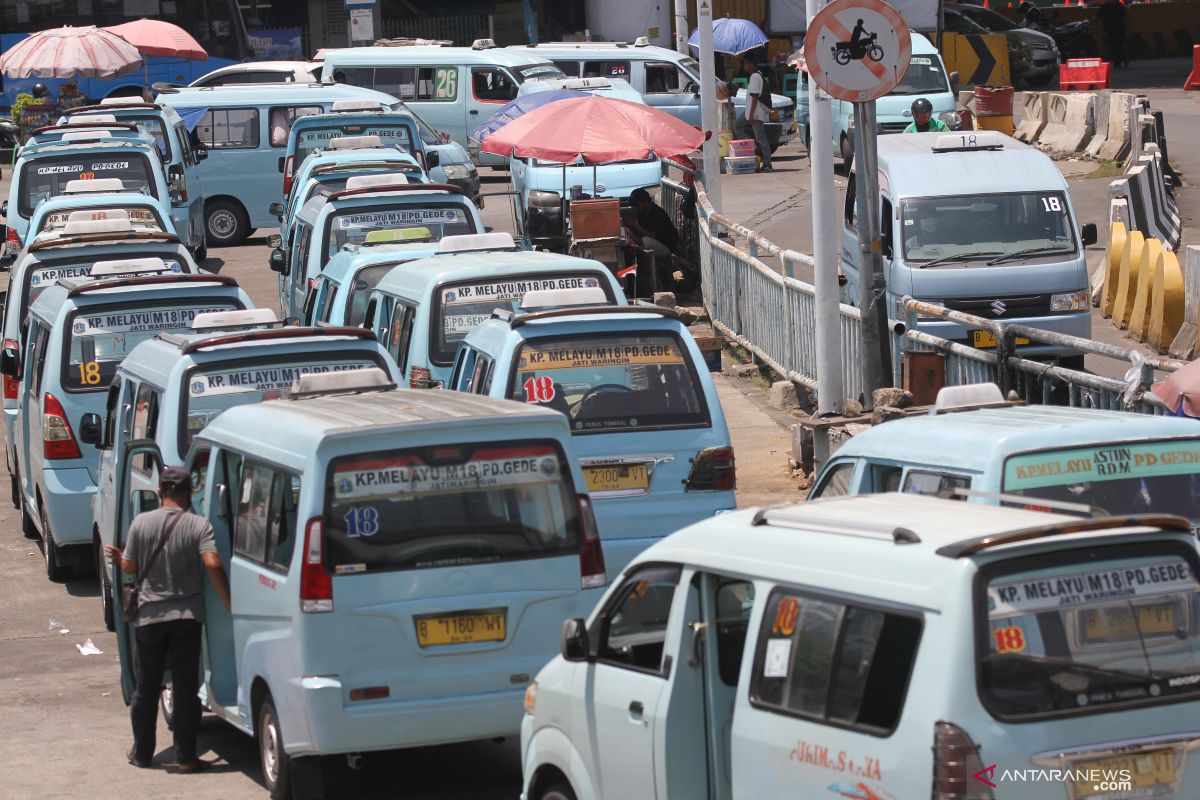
<point x="1034" y="305"/>
<point x="892" y="127"/>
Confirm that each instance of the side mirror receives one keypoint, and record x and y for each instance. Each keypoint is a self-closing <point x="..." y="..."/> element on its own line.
<point x="432" y="159"/>
<point x="279" y="261"/>
<point x="275" y="239"/>
<point x="692" y="87"/>
<point x="276" y="210"/>
<point x="10" y="363"/>
<point x="1089" y="234"/>
<point x="281" y="160"/>
<point x="90" y="429"/>
<point x="200" y="153"/>
<point x="954" y="82"/>
<point x="574" y="640"/>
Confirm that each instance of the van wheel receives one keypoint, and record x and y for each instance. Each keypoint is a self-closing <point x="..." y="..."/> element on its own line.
<point x="201" y="253"/>
<point x="559" y="791"/>
<point x="225" y="223"/>
<point x="276" y="766"/>
<point x="847" y="150"/>
<point x="106" y="603"/>
<point x="166" y="704"/>
<point x="27" y="527"/>
<point x="55" y="569"/>
<point x="15" y="487"/>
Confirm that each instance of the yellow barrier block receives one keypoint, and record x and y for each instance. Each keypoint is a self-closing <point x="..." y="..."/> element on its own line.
<point x="1166" y="302"/>
<point x="1118" y="243"/>
<point x="1131" y="262"/>
<point x="1139" y="317"/>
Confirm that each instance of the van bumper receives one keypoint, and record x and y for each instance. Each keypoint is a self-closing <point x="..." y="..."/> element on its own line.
<point x="68" y="495"/>
<point x="1074" y="324"/>
<point x="335" y="727"/>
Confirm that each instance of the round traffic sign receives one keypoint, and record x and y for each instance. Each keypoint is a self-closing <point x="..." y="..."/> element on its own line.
<point x="857" y="50"/>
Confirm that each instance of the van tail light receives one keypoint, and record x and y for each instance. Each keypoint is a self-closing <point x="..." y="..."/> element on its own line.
<point x="58" y="442"/>
<point x="713" y="470"/>
<point x="419" y="378"/>
<point x="288" y="174"/>
<point x="370" y="693"/>
<point x="14" y="240"/>
<point x="591" y="557"/>
<point x="316" y="585"/>
<point x="12" y="386"/>
<point x="958" y="772"/>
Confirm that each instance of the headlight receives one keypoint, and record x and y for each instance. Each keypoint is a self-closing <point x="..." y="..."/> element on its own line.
<point x="531" y="698"/>
<point x="456" y="172"/>
<point x="1070" y="301"/>
<point x="545" y="200"/>
<point x="952" y="119"/>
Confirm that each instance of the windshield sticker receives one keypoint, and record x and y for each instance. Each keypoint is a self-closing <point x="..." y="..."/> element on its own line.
<point x="921" y="61"/>
<point x="49" y="275"/>
<point x="102" y="166"/>
<point x="1084" y="587"/>
<point x="778" y="657"/>
<point x="514" y="290"/>
<point x="361" y="521"/>
<point x="405" y="477"/>
<point x="138" y="216"/>
<point x="317" y="137"/>
<point x="462" y="324"/>
<point x="1110" y="462"/>
<point x="617" y="355"/>
<point x="162" y="319"/>
<point x="382" y="219"/>
<point x="263" y="379"/>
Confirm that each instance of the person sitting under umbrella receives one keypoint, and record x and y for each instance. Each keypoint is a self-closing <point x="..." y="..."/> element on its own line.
<point x="653" y="227"/>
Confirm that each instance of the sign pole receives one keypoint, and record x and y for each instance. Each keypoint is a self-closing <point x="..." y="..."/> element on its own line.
<point x="872" y="288"/>
<point x="681" y="27"/>
<point x="708" y="104"/>
<point x="830" y="385"/>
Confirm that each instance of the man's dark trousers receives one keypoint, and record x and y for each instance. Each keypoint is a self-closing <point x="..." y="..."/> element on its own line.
<point x="174" y="644"/>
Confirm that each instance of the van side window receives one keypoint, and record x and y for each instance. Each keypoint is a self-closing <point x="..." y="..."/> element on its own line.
<point x="606" y="69"/>
<point x="35" y="359"/>
<point x="492" y="85"/>
<point x="479" y="374"/>
<point x="885" y="228"/>
<point x="229" y="129"/>
<point x="299" y="259"/>
<point x="281" y="520"/>
<point x="185" y="144"/>
<point x="935" y="484"/>
<point x="851" y="206"/>
<point x="569" y="68"/>
<point x="111" y="404"/>
<point x="832" y="662"/>
<point x="281" y="118"/>
<point x="325" y="312"/>
<point x="634" y="627"/>
<point x="464" y="365"/>
<point x="414" y="83"/>
<point x="400" y="335"/>
<point x="734" y="603"/>
<point x="885" y="478"/>
<point x="199" y="472"/>
<point x="663" y="77"/>
<point x="266" y="518"/>
<point x="837" y="482"/>
<point x="145" y="423"/>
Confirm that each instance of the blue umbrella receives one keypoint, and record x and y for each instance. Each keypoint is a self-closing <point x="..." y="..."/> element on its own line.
<point x="522" y="105"/>
<point x="732" y="36"/>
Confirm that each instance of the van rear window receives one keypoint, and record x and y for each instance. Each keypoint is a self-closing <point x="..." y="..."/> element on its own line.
<point x="449" y="505"/>
<point x="1090" y="630"/>
<point x="629" y="382"/>
<point x="1119" y="478"/>
<point x="47" y="273"/>
<point x="44" y="178"/>
<point x="101" y="336"/>
<point x="143" y="218"/>
<point x="353" y="226"/>
<point x="310" y="140"/>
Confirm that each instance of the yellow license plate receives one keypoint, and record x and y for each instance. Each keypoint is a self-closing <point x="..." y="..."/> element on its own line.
<point x="465" y="628"/>
<point x="988" y="339"/>
<point x="617" y="477"/>
<point x="1117" y="622"/>
<point x="1145" y="770"/>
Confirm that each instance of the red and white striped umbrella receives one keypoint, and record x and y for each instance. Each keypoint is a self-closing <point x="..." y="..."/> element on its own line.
<point x="85" y="52"/>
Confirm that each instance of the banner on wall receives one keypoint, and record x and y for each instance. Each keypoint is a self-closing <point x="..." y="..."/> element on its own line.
<point x="786" y="17"/>
<point x="275" y="44"/>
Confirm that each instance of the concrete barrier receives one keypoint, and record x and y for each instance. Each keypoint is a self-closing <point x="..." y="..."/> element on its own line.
<point x="1139" y="316"/>
<point x="1161" y="205"/>
<point x="1131" y="262"/>
<point x="1055" y="128"/>
<point x="1033" y="116"/>
<point x="1118" y="244"/>
<point x="1115" y="146"/>
<point x="1187" y="341"/>
<point x="1103" y="100"/>
<point x="1079" y="122"/>
<point x="1166" y="303"/>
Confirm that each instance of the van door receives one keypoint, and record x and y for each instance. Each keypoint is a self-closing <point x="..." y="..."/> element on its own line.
<point x="215" y="474"/>
<point x="726" y="605"/>
<point x="491" y="87"/>
<point x="30" y="417"/>
<point x="131" y="501"/>
<point x="670" y="89"/>
<point x="293" y="285"/>
<point x="849" y="253"/>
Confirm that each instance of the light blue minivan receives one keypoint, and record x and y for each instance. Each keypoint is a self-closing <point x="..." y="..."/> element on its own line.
<point x="245" y="130"/>
<point x="646" y="422"/>
<point x="340" y="294"/>
<point x="399" y="567"/>
<point x="422" y="310"/>
<point x="78" y="332"/>
<point x="186" y="380"/>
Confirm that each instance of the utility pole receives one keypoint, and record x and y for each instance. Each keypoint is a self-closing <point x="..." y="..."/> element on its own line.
<point x="708" y="104"/>
<point x="681" y="27"/>
<point x="830" y="386"/>
<point x="872" y="287"/>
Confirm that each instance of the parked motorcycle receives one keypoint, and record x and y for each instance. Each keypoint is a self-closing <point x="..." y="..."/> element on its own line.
<point x="1073" y="39"/>
<point x="8" y="134"/>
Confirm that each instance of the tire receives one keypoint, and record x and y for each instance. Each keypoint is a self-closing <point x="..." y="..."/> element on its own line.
<point x="55" y="569"/>
<point x="106" y="603"/>
<point x="276" y="765"/>
<point x="559" y="791"/>
<point x="27" y="527"/>
<point x="201" y="253"/>
<point x="225" y="223"/>
<point x="166" y="704"/>
<point x="15" y="487"/>
<point x="847" y="150"/>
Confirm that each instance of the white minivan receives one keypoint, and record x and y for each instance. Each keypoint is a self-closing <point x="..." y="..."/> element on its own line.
<point x="885" y="647"/>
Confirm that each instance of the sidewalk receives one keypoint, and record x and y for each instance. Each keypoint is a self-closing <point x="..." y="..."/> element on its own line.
<point x="761" y="446"/>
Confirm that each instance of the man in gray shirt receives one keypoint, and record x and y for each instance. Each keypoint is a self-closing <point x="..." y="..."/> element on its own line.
<point x="170" y="614"/>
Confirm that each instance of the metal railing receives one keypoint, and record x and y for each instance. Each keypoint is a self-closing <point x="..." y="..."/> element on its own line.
<point x="462" y="30"/>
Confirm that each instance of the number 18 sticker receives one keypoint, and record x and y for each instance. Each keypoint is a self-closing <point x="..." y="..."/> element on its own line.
<point x="539" y="390"/>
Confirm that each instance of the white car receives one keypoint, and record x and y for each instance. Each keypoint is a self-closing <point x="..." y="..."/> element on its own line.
<point x="262" y="72"/>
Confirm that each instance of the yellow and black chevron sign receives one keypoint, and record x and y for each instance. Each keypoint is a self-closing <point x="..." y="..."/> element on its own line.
<point x="979" y="59"/>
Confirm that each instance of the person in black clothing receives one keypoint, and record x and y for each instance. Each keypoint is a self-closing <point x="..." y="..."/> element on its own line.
<point x="1112" y="20"/>
<point x="653" y="226"/>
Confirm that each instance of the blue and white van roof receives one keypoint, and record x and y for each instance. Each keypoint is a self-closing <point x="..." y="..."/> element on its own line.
<point x="115" y="201"/>
<point x="267" y="94"/>
<point x="143" y="143"/>
<point x="879" y="546"/>
<point x="348" y="262"/>
<point x="604" y="87"/>
<point x="975" y="439"/>
<point x="426" y="54"/>
<point x="418" y="275"/>
<point x="420" y="193"/>
<point x="924" y="164"/>
<point x="85" y="293"/>
<point x="124" y="110"/>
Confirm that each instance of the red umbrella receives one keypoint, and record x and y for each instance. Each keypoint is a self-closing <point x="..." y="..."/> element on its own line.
<point x="86" y="52"/>
<point x="599" y="130"/>
<point x="153" y="37"/>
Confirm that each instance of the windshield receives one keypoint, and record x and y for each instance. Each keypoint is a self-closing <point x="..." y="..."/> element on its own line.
<point x="538" y="72"/>
<point x="360" y="291"/>
<point x="312" y="139"/>
<point x="1091" y="630"/>
<point x="440" y="219"/>
<point x="612" y="383"/>
<point x="461" y="307"/>
<point x="100" y="337"/>
<point x="690" y="65"/>
<point x="1125" y="478"/>
<point x="924" y="76"/>
<point x="41" y="274"/>
<point x="219" y="387"/>
<point x="145" y="219"/>
<point x="44" y="178"/>
<point x="997" y="224"/>
<point x="448" y="506"/>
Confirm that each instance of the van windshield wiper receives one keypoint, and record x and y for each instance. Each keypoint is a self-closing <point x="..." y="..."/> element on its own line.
<point x="961" y="257"/>
<point x="1028" y="251"/>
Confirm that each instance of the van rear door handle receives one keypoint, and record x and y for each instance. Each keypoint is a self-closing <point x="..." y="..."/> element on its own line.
<point x="473" y="111"/>
<point x="636" y="710"/>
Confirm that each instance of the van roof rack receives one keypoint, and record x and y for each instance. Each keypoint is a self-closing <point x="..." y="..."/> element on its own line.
<point x="101" y="126"/>
<point x="95" y="238"/>
<point x="214" y="320"/>
<point x="404" y="41"/>
<point x="351" y="381"/>
<point x="476" y="242"/>
<point x="345" y="106"/>
<point x="517" y="320"/>
<point x="94" y="186"/>
<point x="108" y="119"/>
<point x="76" y="287"/>
<point x="338" y="166"/>
<point x="398" y="187"/>
<point x="188" y="345"/>
<point x="108" y="105"/>
<point x="1029" y="503"/>
<point x="791" y="515"/>
<point x="977" y="544"/>
<point x="127" y="267"/>
<point x="377" y="181"/>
